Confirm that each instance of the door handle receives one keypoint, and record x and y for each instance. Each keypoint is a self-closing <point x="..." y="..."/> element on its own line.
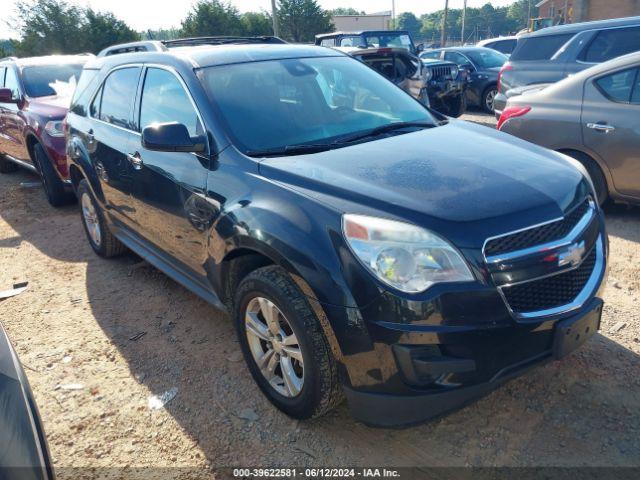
<point x="601" y="127"/>
<point x="135" y="160"/>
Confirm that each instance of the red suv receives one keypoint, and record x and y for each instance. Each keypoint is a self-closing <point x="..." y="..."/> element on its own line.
<point x="34" y="98"/>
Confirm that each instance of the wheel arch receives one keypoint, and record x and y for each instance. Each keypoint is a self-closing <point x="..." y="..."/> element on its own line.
<point x="604" y="169"/>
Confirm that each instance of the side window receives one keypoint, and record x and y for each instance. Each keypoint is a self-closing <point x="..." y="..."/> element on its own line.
<point x="118" y="95"/>
<point x="635" y="96"/>
<point x="328" y="42"/>
<point x="618" y="86"/>
<point x="540" y="47"/>
<point x="456" y="58"/>
<point x="94" y="110"/>
<point x="11" y="82"/>
<point x="612" y="43"/>
<point x="434" y="54"/>
<point x="83" y="93"/>
<point x="164" y="100"/>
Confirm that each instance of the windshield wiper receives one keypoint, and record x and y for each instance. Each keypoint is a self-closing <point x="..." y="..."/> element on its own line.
<point x="382" y="130"/>
<point x="291" y="150"/>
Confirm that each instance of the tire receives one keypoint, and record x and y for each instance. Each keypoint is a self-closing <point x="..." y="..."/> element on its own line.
<point x="319" y="391"/>
<point x="595" y="172"/>
<point x="7" y="166"/>
<point x="53" y="186"/>
<point x="103" y="242"/>
<point x="457" y="106"/>
<point x="488" y="97"/>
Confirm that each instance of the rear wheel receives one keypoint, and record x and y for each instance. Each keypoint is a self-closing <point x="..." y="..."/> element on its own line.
<point x="488" y="99"/>
<point x="7" y="166"/>
<point x="594" y="171"/>
<point x="100" y="238"/>
<point x="53" y="186"/>
<point x="457" y="106"/>
<point x="284" y="345"/>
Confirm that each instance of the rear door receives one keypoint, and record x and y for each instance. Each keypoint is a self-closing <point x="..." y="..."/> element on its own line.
<point x="111" y="138"/>
<point x="12" y="120"/>
<point x="170" y="186"/>
<point x="610" y="126"/>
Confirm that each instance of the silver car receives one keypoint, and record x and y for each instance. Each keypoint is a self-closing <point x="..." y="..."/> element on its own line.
<point x="594" y="117"/>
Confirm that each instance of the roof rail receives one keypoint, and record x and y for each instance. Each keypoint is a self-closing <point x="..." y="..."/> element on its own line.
<point x="8" y="58"/>
<point x="143" y="46"/>
<point x="221" y="40"/>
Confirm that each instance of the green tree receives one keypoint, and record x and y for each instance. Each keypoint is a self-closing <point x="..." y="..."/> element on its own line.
<point x="408" y="21"/>
<point x="212" y="17"/>
<point x="256" y="23"/>
<point x="99" y="30"/>
<point x="56" y="26"/>
<point x="301" y="20"/>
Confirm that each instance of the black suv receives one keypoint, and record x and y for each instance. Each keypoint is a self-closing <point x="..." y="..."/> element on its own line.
<point x="363" y="244"/>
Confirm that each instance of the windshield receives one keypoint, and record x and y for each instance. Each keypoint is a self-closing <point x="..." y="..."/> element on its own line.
<point x="274" y="104"/>
<point x="487" y="58"/>
<point x="395" y="40"/>
<point x="46" y="80"/>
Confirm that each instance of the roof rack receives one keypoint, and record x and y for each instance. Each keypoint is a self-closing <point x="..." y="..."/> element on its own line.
<point x="163" y="45"/>
<point x="221" y="40"/>
<point x="143" y="46"/>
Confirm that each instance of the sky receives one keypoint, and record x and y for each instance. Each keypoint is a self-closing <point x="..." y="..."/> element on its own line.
<point x="154" y="14"/>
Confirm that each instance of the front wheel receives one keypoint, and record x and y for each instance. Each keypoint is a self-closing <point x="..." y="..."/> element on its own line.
<point x="103" y="242"/>
<point x="489" y="98"/>
<point x="284" y="345"/>
<point x="457" y="106"/>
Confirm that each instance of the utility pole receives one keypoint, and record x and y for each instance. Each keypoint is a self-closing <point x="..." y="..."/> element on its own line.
<point x="393" y="14"/>
<point x="274" y="18"/>
<point x="464" y="16"/>
<point x="443" y="33"/>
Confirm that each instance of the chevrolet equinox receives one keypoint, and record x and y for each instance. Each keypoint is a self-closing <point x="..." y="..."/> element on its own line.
<point x="365" y="246"/>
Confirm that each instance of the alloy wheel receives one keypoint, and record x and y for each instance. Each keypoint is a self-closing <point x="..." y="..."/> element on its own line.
<point x="91" y="220"/>
<point x="274" y="347"/>
<point x="490" y="99"/>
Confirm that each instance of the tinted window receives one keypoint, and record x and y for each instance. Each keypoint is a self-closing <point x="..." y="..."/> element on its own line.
<point x="503" y="46"/>
<point x="48" y="80"/>
<point x="456" y="58"/>
<point x="618" y="86"/>
<point x="540" y="48"/>
<point x="164" y="100"/>
<point x="487" y="58"/>
<point x="273" y="104"/>
<point x="612" y="43"/>
<point x="435" y="55"/>
<point x="635" y="97"/>
<point x="11" y="82"/>
<point x="83" y="92"/>
<point x="118" y="94"/>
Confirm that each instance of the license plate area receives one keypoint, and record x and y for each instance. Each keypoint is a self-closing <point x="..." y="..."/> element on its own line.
<point x="573" y="332"/>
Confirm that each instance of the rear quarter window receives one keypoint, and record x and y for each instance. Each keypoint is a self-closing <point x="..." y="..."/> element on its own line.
<point x="83" y="92"/>
<point x="540" y="48"/>
<point x="612" y="43"/>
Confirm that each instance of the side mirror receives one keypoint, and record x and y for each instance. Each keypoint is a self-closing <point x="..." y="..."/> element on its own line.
<point x="6" y="96"/>
<point x="171" y="137"/>
<point x="420" y="48"/>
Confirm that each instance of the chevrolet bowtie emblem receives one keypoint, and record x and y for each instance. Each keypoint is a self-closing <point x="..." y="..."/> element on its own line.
<point x="572" y="255"/>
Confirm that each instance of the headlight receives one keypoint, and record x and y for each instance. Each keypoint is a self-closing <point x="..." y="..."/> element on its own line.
<point x="54" y="128"/>
<point x="402" y="255"/>
<point x="427" y="73"/>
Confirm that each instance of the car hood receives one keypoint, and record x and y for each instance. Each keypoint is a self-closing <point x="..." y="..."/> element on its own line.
<point x="55" y="106"/>
<point x="465" y="181"/>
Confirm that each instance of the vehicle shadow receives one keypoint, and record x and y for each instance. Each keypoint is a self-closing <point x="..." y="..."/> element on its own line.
<point x="623" y="221"/>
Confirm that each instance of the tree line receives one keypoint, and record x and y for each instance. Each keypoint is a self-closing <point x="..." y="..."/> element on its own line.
<point x="485" y="21"/>
<point x="58" y="26"/>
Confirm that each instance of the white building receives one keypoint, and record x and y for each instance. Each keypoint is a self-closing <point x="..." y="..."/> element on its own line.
<point x="355" y="23"/>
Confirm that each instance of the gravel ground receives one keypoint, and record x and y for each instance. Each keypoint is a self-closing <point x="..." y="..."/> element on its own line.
<point x="99" y="337"/>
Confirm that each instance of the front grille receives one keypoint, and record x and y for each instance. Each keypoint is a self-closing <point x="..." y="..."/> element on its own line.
<point x="550" y="292"/>
<point x="440" y="73"/>
<point x="538" y="235"/>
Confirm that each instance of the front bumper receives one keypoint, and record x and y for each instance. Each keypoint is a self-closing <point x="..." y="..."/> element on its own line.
<point x="496" y="357"/>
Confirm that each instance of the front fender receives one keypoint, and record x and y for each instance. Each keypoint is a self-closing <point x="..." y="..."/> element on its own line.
<point x="78" y="157"/>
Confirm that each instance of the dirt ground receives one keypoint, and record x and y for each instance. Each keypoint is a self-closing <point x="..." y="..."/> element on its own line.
<point x="99" y="337"/>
